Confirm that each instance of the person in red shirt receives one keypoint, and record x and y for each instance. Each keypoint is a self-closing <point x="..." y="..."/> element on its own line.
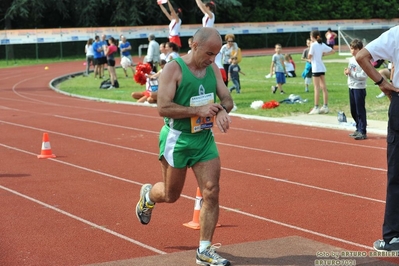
<point x="110" y="51"/>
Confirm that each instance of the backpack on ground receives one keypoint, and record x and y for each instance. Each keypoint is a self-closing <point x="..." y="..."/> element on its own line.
<point x="105" y="84"/>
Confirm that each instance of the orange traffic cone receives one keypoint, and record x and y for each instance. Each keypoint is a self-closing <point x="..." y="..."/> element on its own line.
<point x="194" y="224"/>
<point x="46" y="148"/>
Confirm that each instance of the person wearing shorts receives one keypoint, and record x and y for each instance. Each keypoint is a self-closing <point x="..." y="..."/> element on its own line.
<point x="175" y="22"/>
<point x="278" y="68"/>
<point x="186" y="139"/>
<point x="110" y="51"/>
<point x="125" y="48"/>
<point x="317" y="51"/>
<point x="97" y="49"/>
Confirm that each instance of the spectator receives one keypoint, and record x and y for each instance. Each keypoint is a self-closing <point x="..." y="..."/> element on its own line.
<point x="330" y="38"/>
<point x="97" y="50"/>
<point x="307" y="72"/>
<point x="89" y="55"/>
<point x="357" y="91"/>
<point x="386" y="73"/>
<point x="110" y="51"/>
<point x="278" y="68"/>
<point x="234" y="75"/>
<point x="289" y="66"/>
<point x="190" y="42"/>
<point x="125" y="48"/>
<point x="227" y="50"/>
<point x="103" y="59"/>
<point x="218" y="62"/>
<point x="209" y="10"/>
<point x="385" y="47"/>
<point x="175" y="22"/>
<point x="317" y="50"/>
<point x="153" y="53"/>
<point x="162" y="50"/>
<point x="151" y="92"/>
<point x="172" y="51"/>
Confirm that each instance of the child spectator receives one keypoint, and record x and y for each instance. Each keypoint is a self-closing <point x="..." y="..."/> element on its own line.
<point x="278" y="68"/>
<point x="307" y="72"/>
<point x="291" y="60"/>
<point x="385" y="73"/>
<point x="234" y="75"/>
<point x="289" y="66"/>
<point x="151" y="91"/>
<point x="357" y="91"/>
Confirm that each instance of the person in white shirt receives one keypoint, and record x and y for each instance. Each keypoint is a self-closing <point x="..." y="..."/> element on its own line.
<point x="162" y="55"/>
<point x="209" y="10"/>
<point x="172" y="51"/>
<point x="153" y="53"/>
<point x="317" y="50"/>
<point x="357" y="91"/>
<point x="289" y="67"/>
<point x="386" y="47"/>
<point x="89" y="55"/>
<point x="175" y="22"/>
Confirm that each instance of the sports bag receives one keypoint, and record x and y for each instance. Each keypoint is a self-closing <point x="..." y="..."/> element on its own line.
<point x="105" y="84"/>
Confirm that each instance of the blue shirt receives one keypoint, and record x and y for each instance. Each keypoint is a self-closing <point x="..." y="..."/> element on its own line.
<point x="125" y="45"/>
<point x="97" y="54"/>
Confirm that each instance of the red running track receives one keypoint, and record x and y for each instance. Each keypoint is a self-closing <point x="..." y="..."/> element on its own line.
<point x="278" y="180"/>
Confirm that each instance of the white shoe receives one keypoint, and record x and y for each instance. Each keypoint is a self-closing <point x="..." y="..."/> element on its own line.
<point x="314" y="111"/>
<point x="381" y="95"/>
<point x="324" y="110"/>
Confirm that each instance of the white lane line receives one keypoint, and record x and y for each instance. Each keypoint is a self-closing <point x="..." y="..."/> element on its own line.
<point x="219" y="143"/>
<point x="304" y="185"/>
<point x="158" y="118"/>
<point x="303" y="157"/>
<point x="70" y="215"/>
<point x="305" y="138"/>
<point x="297" y="228"/>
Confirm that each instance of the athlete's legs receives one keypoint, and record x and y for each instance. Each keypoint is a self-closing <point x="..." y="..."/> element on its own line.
<point x="170" y="188"/>
<point x="316" y="82"/>
<point x="323" y="87"/>
<point x="208" y="174"/>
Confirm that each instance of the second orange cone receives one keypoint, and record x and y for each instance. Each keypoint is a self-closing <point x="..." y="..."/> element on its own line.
<point x="46" y="148"/>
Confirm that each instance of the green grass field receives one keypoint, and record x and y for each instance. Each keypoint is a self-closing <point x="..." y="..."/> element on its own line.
<point x="256" y="87"/>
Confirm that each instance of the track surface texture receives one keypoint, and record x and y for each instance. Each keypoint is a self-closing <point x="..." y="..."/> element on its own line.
<point x="290" y="194"/>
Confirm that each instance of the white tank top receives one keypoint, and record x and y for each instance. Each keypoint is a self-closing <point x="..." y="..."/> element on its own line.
<point x="174" y="27"/>
<point x="207" y="21"/>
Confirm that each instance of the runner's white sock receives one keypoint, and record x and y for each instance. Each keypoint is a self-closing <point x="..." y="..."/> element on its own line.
<point x="203" y="245"/>
<point x="147" y="199"/>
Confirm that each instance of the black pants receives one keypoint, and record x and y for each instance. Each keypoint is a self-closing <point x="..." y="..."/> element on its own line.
<point x="357" y="101"/>
<point x="226" y="68"/>
<point x="390" y="228"/>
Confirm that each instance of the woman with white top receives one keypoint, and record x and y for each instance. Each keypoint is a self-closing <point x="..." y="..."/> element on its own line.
<point x="172" y="51"/>
<point x="317" y="50"/>
<point x="89" y="55"/>
<point x="209" y="10"/>
<point x="227" y="50"/>
<point x="175" y="22"/>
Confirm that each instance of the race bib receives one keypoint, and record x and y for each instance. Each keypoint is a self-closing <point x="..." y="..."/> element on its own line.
<point x="201" y="123"/>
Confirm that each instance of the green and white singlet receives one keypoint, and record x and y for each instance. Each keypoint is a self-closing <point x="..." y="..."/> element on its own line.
<point x="184" y="142"/>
